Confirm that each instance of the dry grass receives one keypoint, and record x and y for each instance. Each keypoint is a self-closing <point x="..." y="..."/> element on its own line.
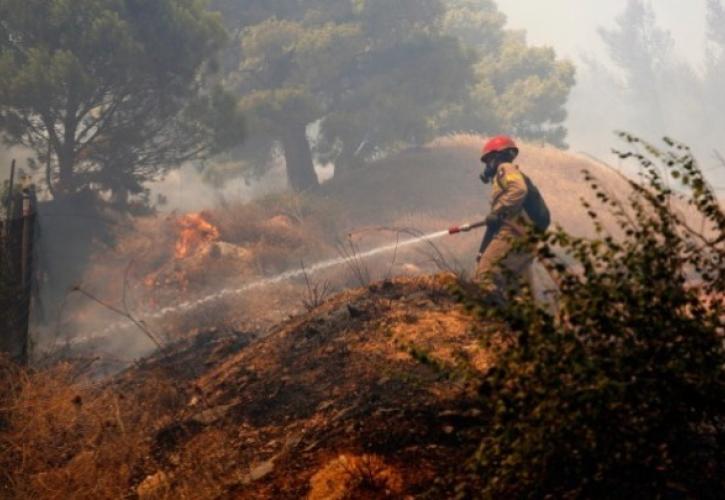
<point x="61" y="438"/>
<point x="56" y="435"/>
<point x="350" y="477"/>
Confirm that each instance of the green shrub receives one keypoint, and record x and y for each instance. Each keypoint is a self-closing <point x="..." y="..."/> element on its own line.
<point x="620" y="391"/>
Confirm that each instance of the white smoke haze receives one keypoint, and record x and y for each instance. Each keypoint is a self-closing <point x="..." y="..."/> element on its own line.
<point x="7" y="155"/>
<point x="186" y="190"/>
<point x="602" y="100"/>
<point x="570" y="26"/>
<point x="598" y="104"/>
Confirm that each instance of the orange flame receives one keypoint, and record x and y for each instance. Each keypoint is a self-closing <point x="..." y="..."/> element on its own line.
<point x="195" y="233"/>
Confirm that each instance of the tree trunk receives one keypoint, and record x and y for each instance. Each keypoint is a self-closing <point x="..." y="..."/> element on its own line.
<point x="65" y="152"/>
<point x="298" y="157"/>
<point x="65" y="176"/>
<point x="348" y="161"/>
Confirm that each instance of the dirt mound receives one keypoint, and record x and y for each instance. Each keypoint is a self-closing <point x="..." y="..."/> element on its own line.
<point x="335" y="395"/>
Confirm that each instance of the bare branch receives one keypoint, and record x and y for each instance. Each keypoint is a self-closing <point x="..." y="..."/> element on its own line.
<point x="123" y="313"/>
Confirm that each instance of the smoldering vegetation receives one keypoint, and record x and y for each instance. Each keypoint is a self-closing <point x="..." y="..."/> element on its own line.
<point x="326" y="90"/>
<point x="188" y="154"/>
<point x="246" y="97"/>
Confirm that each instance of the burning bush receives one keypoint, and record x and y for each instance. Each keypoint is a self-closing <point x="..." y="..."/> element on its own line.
<point x="271" y="235"/>
<point x="196" y="234"/>
<point x="620" y="394"/>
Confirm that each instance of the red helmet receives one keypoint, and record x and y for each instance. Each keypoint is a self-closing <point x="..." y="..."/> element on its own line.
<point x="497" y="144"/>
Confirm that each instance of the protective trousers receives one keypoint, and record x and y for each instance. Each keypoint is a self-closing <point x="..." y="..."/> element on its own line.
<point x="501" y="266"/>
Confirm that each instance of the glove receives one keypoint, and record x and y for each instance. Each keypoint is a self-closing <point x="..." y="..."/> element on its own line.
<point x="493" y="219"/>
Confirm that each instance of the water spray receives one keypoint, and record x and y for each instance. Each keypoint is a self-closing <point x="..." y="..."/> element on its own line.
<point x="295" y="273"/>
<point x="225" y="293"/>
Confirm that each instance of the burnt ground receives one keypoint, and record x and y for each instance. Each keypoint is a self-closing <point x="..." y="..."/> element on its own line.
<point x="262" y="418"/>
<point x="336" y="403"/>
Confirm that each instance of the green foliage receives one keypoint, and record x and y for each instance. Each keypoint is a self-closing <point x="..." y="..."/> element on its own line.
<point x="108" y="92"/>
<point x="349" y="82"/>
<point x="368" y="74"/>
<point x="621" y="391"/>
<point x="517" y="89"/>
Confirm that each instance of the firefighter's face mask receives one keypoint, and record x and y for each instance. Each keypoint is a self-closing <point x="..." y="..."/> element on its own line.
<point x="491" y="163"/>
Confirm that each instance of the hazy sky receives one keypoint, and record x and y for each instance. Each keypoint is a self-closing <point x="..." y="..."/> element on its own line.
<point x="570" y="26"/>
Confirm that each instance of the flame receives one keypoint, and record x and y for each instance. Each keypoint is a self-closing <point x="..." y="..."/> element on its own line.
<point x="195" y="233"/>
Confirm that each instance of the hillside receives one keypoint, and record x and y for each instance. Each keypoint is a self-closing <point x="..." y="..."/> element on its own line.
<point x="441" y="181"/>
<point x="330" y="404"/>
<point x="267" y="395"/>
<point x="174" y="258"/>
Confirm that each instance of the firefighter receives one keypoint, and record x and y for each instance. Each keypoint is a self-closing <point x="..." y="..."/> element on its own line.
<point x="497" y="260"/>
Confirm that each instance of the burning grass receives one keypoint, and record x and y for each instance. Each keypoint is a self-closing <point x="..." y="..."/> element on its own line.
<point x="167" y="260"/>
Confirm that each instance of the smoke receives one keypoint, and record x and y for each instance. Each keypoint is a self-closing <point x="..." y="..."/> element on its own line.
<point x="642" y="66"/>
<point x="188" y="190"/>
<point x="662" y="92"/>
<point x="7" y="155"/>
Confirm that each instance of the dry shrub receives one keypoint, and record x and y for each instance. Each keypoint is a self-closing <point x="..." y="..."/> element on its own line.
<point x="63" y="439"/>
<point x="350" y="476"/>
<point x="204" y="462"/>
<point x="288" y="219"/>
<point x="280" y="230"/>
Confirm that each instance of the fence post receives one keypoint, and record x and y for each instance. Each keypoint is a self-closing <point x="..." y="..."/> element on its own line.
<point x="9" y="206"/>
<point x="26" y="270"/>
<point x="16" y="247"/>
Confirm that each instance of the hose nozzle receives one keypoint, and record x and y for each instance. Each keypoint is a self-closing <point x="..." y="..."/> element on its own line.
<point x="460" y="229"/>
<point x="466" y="227"/>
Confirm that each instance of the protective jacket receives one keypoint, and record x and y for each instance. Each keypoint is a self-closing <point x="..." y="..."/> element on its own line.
<point x="507" y="207"/>
<point x="507" y="203"/>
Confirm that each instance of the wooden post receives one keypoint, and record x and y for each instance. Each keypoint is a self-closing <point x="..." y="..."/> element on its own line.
<point x="17" y="260"/>
<point x="9" y="206"/>
<point x="26" y="271"/>
<point x="26" y="252"/>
